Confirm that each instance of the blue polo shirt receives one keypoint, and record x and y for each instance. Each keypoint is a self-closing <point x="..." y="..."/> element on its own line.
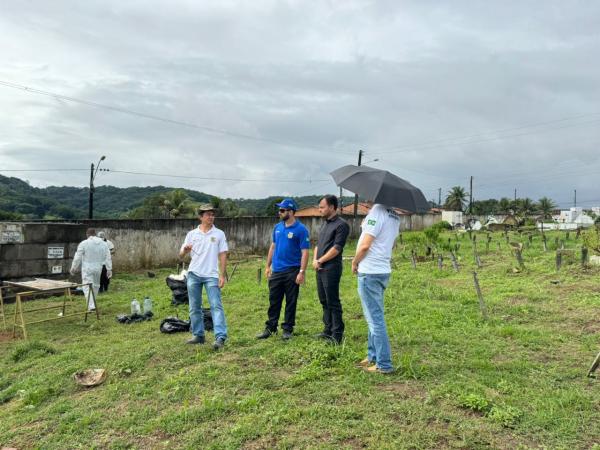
<point x="289" y="243"/>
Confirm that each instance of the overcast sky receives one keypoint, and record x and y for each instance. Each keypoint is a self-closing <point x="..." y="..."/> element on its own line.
<point x="437" y="91"/>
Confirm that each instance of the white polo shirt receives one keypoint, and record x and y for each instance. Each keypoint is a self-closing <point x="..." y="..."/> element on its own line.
<point x="384" y="225"/>
<point x="205" y="251"/>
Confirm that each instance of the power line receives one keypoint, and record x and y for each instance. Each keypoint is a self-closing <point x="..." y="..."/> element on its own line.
<point x="170" y="121"/>
<point x="264" y="180"/>
<point x="43" y="170"/>
<point x="268" y="180"/>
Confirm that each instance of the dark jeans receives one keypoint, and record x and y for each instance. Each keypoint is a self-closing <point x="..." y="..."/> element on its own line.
<point x="104" y="280"/>
<point x="328" y="287"/>
<point x="280" y="284"/>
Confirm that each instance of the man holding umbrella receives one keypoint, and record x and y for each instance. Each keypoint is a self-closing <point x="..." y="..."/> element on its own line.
<point x="372" y="262"/>
<point x="372" y="265"/>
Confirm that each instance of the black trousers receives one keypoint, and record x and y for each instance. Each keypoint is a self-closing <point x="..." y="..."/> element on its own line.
<point x="104" y="280"/>
<point x="328" y="288"/>
<point x="280" y="284"/>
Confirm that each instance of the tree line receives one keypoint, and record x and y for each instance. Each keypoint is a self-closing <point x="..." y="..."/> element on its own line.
<point x="457" y="200"/>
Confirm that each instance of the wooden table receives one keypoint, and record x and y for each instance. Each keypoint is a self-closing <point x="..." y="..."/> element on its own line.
<point x="44" y="286"/>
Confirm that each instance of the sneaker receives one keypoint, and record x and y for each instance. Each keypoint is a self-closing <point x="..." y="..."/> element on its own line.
<point x="219" y="344"/>
<point x="366" y="363"/>
<point x="196" y="340"/>
<point x="375" y="369"/>
<point x="286" y="335"/>
<point x="265" y="334"/>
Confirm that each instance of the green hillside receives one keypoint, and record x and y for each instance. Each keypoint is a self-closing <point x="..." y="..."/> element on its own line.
<point x="19" y="200"/>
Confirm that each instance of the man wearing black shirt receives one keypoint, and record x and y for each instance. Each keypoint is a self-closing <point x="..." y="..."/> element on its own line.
<point x="327" y="262"/>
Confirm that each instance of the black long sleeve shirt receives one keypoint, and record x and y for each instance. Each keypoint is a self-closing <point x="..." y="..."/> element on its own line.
<point x="333" y="233"/>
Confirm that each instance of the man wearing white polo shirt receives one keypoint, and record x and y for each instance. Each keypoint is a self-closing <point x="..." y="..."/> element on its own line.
<point x="208" y="248"/>
<point x="372" y="265"/>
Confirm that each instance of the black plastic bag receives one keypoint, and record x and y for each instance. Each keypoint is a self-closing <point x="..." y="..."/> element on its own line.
<point x="176" y="325"/>
<point x="179" y="290"/>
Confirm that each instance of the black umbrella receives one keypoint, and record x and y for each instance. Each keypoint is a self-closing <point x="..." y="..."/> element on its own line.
<point x="381" y="186"/>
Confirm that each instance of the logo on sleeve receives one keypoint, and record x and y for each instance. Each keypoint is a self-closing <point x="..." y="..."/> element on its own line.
<point x="371" y="222"/>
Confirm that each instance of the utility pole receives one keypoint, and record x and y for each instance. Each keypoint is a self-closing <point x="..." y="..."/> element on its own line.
<point x="360" y="154"/>
<point x="341" y="202"/>
<point x="575" y="198"/>
<point x="91" y="200"/>
<point x="93" y="174"/>
<point x="471" y="195"/>
<point x="515" y="194"/>
<point x="439" y="197"/>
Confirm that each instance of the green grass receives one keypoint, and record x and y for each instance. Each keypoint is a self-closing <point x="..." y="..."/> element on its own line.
<point x="517" y="380"/>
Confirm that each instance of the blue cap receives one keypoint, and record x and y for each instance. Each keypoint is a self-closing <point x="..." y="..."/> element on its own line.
<point x="288" y="203"/>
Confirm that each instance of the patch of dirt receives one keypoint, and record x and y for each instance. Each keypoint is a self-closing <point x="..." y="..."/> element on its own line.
<point x="6" y="336"/>
<point x="405" y="390"/>
<point x="353" y="442"/>
<point x="592" y="327"/>
<point x="517" y="301"/>
<point x="260" y="443"/>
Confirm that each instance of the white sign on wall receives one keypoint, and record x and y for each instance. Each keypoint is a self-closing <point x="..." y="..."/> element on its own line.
<point x="56" y="269"/>
<point x="56" y="252"/>
<point x="10" y="237"/>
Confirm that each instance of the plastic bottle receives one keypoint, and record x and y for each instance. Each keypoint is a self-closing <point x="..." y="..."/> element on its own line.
<point x="147" y="305"/>
<point x="135" y="307"/>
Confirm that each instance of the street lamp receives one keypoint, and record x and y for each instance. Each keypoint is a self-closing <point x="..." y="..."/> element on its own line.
<point x="92" y="177"/>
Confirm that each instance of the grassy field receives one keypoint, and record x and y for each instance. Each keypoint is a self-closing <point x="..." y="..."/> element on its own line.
<point x="517" y="380"/>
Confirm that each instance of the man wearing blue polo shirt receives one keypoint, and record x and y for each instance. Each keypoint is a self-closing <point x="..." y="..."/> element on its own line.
<point x="286" y="266"/>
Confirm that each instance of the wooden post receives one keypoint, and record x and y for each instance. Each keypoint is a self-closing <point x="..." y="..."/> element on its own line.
<point x="519" y="257"/>
<point x="2" y="309"/>
<point x="558" y="259"/>
<point x="478" y="261"/>
<point x="578" y="233"/>
<point x="401" y="239"/>
<point x="259" y="275"/>
<point x="567" y="235"/>
<point x="440" y="261"/>
<point x="487" y="246"/>
<point x="482" y="305"/>
<point x="544" y="242"/>
<point x="413" y="260"/>
<point x="454" y="262"/>
<point x="594" y="366"/>
<point x="584" y="257"/>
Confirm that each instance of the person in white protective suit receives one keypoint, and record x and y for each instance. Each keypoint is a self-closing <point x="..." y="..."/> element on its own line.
<point x="92" y="254"/>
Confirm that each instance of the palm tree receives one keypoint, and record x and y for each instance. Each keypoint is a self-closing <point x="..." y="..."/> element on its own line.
<point x="176" y="203"/>
<point x="546" y="206"/>
<point x="456" y="199"/>
<point x="525" y="206"/>
<point x="504" y="205"/>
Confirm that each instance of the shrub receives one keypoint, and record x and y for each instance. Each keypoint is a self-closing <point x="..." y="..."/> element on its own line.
<point x="591" y="239"/>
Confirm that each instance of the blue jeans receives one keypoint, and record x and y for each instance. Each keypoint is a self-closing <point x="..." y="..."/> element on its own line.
<point x="370" y="289"/>
<point x="194" y="286"/>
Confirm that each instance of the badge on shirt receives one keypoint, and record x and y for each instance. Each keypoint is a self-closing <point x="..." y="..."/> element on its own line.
<point x="290" y="235"/>
<point x="213" y="239"/>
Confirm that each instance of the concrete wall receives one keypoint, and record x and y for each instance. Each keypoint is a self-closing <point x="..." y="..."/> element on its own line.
<point x="38" y="249"/>
<point x="145" y="243"/>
